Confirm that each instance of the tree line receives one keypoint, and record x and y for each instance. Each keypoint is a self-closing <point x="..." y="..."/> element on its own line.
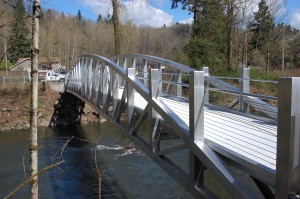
<point x="225" y="35"/>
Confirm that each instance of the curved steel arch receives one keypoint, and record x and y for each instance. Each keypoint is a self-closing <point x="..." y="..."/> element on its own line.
<point x="113" y="91"/>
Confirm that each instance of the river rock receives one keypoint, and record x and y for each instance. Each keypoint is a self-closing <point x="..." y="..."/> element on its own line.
<point x="40" y="115"/>
<point x="4" y="109"/>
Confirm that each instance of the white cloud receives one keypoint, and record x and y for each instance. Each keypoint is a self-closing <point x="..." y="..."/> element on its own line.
<point x="187" y="21"/>
<point x="295" y="19"/>
<point x="140" y="12"/>
<point x="102" y="7"/>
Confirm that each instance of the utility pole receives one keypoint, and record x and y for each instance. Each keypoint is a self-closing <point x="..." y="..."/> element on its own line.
<point x="33" y="146"/>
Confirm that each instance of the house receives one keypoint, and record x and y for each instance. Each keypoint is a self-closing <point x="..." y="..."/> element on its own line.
<point x="53" y="62"/>
<point x="24" y="64"/>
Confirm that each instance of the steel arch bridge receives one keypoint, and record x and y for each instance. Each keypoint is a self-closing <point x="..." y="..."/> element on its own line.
<point x="176" y="99"/>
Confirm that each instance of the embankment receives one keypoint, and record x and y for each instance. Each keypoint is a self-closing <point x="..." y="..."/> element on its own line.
<point x="15" y="107"/>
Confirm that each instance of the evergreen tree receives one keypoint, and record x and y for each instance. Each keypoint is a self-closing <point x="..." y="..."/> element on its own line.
<point x="262" y="26"/>
<point x="99" y="19"/>
<point x="193" y="6"/>
<point x="19" y="43"/>
<point x="208" y="45"/>
<point x="263" y="30"/>
<point x="79" y="16"/>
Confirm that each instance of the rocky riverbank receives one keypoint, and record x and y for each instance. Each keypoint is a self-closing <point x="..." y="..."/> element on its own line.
<point x="15" y="107"/>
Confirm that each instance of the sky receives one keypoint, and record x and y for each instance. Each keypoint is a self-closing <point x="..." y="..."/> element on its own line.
<point x="155" y="13"/>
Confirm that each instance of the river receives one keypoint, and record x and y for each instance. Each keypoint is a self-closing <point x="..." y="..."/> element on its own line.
<point x="127" y="173"/>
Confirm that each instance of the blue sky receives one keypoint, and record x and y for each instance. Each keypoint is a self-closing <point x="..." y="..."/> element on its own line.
<point x="147" y="12"/>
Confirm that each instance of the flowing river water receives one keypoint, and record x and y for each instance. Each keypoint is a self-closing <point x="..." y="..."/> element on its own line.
<point x="126" y="171"/>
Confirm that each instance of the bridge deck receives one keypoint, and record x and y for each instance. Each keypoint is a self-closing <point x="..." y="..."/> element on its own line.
<point x="240" y="135"/>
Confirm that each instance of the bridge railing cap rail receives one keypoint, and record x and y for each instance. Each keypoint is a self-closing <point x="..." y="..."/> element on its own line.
<point x="163" y="61"/>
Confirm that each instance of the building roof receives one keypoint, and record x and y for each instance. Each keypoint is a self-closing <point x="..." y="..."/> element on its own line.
<point x="21" y="60"/>
<point x="49" y="59"/>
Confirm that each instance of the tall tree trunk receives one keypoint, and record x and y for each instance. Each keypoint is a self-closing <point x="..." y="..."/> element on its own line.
<point x="195" y="15"/>
<point x="268" y="57"/>
<point x="245" y="62"/>
<point x="33" y="147"/>
<point x="283" y="49"/>
<point x="230" y="21"/>
<point x="116" y="23"/>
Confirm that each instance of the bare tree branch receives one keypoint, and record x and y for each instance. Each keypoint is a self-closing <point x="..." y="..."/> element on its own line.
<point x="32" y="177"/>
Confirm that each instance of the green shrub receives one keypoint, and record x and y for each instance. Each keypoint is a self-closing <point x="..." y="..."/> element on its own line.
<point x="3" y="65"/>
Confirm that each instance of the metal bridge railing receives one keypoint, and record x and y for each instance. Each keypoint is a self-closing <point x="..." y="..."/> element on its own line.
<point x="111" y="87"/>
<point x="238" y="95"/>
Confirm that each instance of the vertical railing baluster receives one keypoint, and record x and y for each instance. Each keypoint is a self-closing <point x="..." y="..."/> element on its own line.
<point x="133" y="63"/>
<point x="145" y="72"/>
<point x="115" y="91"/>
<point x="288" y="138"/>
<point x="97" y="85"/>
<point x="244" y="87"/>
<point x="83" y="76"/>
<point x="159" y="67"/>
<point x="78" y="77"/>
<point x="155" y="91"/>
<point x="100" y="87"/>
<point x="179" y="86"/>
<point x="89" y="79"/>
<point x="94" y="81"/>
<point x="206" y="85"/>
<point x="130" y="96"/>
<point x="196" y="122"/>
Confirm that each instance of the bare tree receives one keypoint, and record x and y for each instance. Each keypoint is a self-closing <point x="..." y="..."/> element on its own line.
<point x="116" y="22"/>
<point x="33" y="147"/>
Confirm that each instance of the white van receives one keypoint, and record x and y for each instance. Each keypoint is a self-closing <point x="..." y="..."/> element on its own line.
<point x="53" y="76"/>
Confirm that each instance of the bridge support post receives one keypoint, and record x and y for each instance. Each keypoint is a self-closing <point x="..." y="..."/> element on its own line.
<point x="244" y="86"/>
<point x="206" y="85"/>
<point x="178" y="86"/>
<point x="288" y="139"/>
<point x="155" y="90"/>
<point x="133" y="63"/>
<point x="145" y="72"/>
<point x="130" y="96"/>
<point x="196" y="123"/>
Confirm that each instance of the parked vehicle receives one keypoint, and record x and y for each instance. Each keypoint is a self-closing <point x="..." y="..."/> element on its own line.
<point x="53" y="76"/>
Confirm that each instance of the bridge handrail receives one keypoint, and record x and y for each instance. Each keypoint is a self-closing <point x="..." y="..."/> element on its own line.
<point x="82" y="82"/>
<point x="250" y="79"/>
<point x="254" y="100"/>
<point x="178" y="66"/>
<point x="244" y="94"/>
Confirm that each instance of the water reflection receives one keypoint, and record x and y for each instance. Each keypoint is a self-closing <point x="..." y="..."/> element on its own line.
<point x="127" y="173"/>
